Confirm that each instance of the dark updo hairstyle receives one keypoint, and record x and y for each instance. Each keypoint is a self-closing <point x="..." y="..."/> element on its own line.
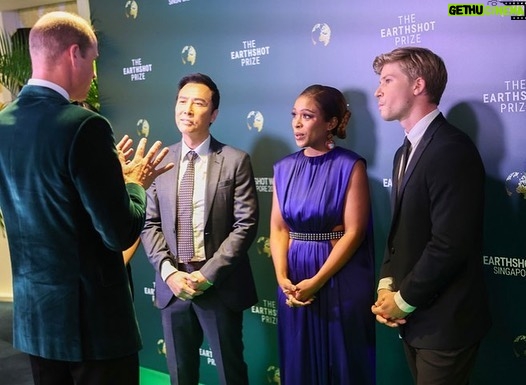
<point x="332" y="104"/>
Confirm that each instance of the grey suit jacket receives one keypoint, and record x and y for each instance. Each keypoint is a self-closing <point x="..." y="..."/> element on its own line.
<point x="434" y="248"/>
<point x="231" y="220"/>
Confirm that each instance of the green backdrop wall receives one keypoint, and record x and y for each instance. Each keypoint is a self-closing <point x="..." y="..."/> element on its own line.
<point x="262" y="54"/>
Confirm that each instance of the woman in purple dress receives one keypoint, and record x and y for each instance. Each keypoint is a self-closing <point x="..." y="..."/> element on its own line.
<point x="321" y="244"/>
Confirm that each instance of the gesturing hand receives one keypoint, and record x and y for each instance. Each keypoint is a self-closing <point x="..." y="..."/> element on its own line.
<point x="124" y="149"/>
<point x="142" y="168"/>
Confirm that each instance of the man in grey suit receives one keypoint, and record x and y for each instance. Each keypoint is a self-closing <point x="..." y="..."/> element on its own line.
<point x="72" y="204"/>
<point x="431" y="279"/>
<point x="206" y="292"/>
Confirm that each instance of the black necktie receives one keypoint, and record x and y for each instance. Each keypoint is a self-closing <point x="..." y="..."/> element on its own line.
<point x="406" y="151"/>
<point x="185" y="229"/>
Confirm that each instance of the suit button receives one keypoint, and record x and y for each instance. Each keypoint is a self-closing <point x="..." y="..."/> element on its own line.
<point x="392" y="250"/>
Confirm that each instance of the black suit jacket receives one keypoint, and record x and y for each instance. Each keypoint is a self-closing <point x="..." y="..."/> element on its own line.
<point x="434" y="248"/>
<point x="231" y="219"/>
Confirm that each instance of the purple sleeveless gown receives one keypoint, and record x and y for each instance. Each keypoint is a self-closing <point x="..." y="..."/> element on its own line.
<point x="331" y="341"/>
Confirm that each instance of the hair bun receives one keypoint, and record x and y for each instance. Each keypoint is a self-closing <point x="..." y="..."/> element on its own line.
<point x="342" y="127"/>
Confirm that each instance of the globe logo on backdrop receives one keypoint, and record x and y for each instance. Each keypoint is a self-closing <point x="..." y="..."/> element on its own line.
<point x="321" y="33"/>
<point x="519" y="346"/>
<point x="263" y="246"/>
<point x="132" y="9"/>
<point x="255" y="119"/>
<point x="516" y="184"/>
<point x="273" y="375"/>
<point x="188" y="55"/>
<point x="143" y="128"/>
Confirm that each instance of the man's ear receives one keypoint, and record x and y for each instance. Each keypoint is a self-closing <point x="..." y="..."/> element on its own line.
<point x="214" y="116"/>
<point x="419" y="86"/>
<point x="74" y="53"/>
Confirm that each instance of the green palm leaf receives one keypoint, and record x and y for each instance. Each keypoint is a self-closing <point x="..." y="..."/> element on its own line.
<point x="15" y="62"/>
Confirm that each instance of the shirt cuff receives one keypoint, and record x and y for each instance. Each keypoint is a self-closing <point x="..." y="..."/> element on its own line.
<point x="385" y="283"/>
<point x="404" y="306"/>
<point x="167" y="269"/>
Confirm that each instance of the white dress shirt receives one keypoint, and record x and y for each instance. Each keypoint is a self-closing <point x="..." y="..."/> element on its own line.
<point x="198" y="219"/>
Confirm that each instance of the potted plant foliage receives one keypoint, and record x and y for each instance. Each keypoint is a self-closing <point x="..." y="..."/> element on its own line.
<point x="15" y="63"/>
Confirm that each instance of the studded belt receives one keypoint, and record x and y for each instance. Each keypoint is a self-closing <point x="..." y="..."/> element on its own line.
<point x="316" y="236"/>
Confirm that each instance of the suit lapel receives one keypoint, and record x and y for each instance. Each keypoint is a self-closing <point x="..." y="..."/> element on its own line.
<point x="172" y="178"/>
<point x="215" y="162"/>
<point x="424" y="142"/>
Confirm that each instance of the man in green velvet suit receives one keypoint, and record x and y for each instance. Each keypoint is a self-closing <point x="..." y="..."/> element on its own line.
<point x="72" y="203"/>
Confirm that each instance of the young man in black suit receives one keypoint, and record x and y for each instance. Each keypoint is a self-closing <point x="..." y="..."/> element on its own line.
<point x="431" y="279"/>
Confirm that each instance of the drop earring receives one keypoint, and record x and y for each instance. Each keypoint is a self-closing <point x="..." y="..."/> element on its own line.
<point x="329" y="143"/>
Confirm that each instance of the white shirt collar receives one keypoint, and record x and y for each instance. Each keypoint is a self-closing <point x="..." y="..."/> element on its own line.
<point x="417" y="132"/>
<point x="48" y="84"/>
<point x="201" y="150"/>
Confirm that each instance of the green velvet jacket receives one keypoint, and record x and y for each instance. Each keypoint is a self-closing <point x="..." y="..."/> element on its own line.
<point x="68" y="216"/>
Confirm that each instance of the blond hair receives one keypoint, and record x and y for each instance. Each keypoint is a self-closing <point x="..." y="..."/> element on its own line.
<point x="56" y="31"/>
<point x="418" y="62"/>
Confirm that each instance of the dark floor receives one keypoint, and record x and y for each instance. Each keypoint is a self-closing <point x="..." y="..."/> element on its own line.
<point x="14" y="366"/>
